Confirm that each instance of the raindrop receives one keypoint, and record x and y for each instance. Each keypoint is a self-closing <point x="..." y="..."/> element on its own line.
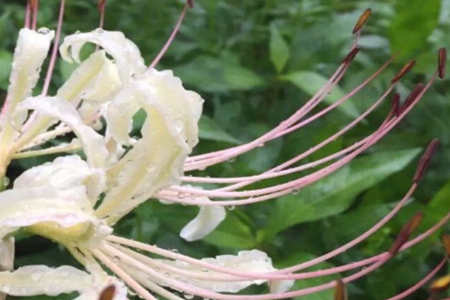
<point x="178" y="123"/>
<point x="99" y="30"/>
<point x="181" y="195"/>
<point x="167" y="275"/>
<point x="43" y="30"/>
<point x="116" y="260"/>
<point x="188" y="296"/>
<point x="295" y="191"/>
<point x="175" y="250"/>
<point x="231" y="207"/>
<point x="205" y="270"/>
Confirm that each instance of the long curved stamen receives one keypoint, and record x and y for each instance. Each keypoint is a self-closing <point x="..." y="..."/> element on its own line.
<point x="189" y="4"/>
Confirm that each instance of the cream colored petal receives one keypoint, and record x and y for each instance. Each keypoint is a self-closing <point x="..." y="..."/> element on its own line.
<point x="6" y="254"/>
<point x="95" y="80"/>
<point x="64" y="174"/>
<point x="208" y="218"/>
<point x="247" y="261"/>
<point x="168" y="135"/>
<point x="42" y="280"/>
<point x="30" y="53"/>
<point x="93" y="143"/>
<point x="124" y="52"/>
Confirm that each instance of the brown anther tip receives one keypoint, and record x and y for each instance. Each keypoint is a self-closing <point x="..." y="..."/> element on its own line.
<point x="362" y="20"/>
<point x="425" y="160"/>
<point x="350" y="56"/>
<point x="33" y="3"/>
<point x="405" y="233"/>
<point x="440" y="285"/>
<point x="446" y="241"/>
<point x="403" y="71"/>
<point x="396" y="104"/>
<point x="412" y="97"/>
<point x="101" y="5"/>
<point x="442" y="61"/>
<point x="190" y="3"/>
<point x="108" y="293"/>
<point x="340" y="293"/>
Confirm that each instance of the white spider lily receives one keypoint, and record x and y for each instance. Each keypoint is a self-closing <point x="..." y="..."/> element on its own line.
<point x="75" y="201"/>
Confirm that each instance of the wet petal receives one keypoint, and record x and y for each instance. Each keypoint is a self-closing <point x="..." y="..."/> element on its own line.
<point x="208" y="218"/>
<point x="95" y="80"/>
<point x="168" y="135"/>
<point x="30" y="53"/>
<point x="93" y="143"/>
<point x="124" y="52"/>
<point x="42" y="280"/>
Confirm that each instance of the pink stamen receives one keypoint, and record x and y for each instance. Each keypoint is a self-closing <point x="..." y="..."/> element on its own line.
<point x="172" y="35"/>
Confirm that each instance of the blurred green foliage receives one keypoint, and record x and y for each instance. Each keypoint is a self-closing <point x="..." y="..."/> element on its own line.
<point x="255" y="62"/>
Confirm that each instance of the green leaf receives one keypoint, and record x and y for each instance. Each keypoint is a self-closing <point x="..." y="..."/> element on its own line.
<point x="5" y="68"/>
<point x="413" y="24"/>
<point x="278" y="49"/>
<point x="300" y="257"/>
<point x="310" y="82"/>
<point x="232" y="233"/>
<point x="209" y="130"/>
<point x="211" y="74"/>
<point x="335" y="193"/>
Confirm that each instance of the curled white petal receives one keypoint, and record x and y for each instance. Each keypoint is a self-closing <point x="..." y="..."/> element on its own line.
<point x="65" y="173"/>
<point x="30" y="53"/>
<point x="168" y="135"/>
<point x="42" y="280"/>
<point x="208" y="218"/>
<point x="95" y="80"/>
<point x="124" y="52"/>
<point x="54" y="107"/>
<point x="254" y="261"/>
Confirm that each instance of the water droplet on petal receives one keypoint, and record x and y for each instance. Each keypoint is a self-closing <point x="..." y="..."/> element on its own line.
<point x="116" y="260"/>
<point x="43" y="30"/>
<point x="231" y="207"/>
<point x="188" y="296"/>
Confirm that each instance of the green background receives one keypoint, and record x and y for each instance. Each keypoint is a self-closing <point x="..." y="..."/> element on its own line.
<point x="255" y="62"/>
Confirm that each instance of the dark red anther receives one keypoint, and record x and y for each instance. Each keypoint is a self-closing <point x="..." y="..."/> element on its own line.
<point x="32" y="3"/>
<point x="405" y="233"/>
<point x="350" y="56"/>
<point x="108" y="293"/>
<point x="425" y="160"/>
<point x="396" y="104"/>
<point x="412" y="97"/>
<point x="403" y="71"/>
<point x="362" y="20"/>
<point x="442" y="61"/>
<point x="446" y="242"/>
<point x="190" y="3"/>
<point x="339" y="292"/>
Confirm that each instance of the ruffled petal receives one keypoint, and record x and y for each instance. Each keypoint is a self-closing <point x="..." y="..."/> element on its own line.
<point x="93" y="143"/>
<point x="208" y="218"/>
<point x="30" y="53"/>
<point x="52" y="200"/>
<point x="124" y="52"/>
<point x="42" y="280"/>
<point x="168" y="135"/>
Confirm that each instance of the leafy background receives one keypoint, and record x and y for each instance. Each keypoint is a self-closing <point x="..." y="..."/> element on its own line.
<point x="255" y="62"/>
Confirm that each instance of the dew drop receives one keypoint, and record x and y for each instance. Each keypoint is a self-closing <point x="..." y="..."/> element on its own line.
<point x="167" y="275"/>
<point x="116" y="260"/>
<point x="188" y="296"/>
<point x="231" y="207"/>
<point x="295" y="191"/>
<point x="175" y="251"/>
<point x="43" y="30"/>
<point x="205" y="270"/>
